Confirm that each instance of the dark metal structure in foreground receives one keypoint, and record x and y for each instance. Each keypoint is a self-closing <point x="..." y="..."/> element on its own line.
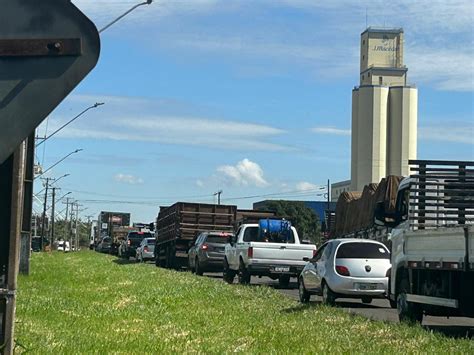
<point x="46" y="48"/>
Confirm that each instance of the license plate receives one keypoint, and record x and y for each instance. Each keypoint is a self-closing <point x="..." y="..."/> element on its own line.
<point x="367" y="286"/>
<point x="282" y="268"/>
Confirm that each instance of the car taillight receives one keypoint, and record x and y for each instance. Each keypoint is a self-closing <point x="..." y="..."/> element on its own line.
<point x="342" y="270"/>
<point x="145" y="249"/>
<point x="204" y="247"/>
<point x="314" y="252"/>
<point x="250" y="252"/>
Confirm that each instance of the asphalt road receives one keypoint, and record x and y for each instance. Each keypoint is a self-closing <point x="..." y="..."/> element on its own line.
<point x="379" y="309"/>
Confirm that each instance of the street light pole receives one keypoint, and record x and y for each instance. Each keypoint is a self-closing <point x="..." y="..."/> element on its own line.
<point x="148" y="2"/>
<point x="43" y="219"/>
<point x="59" y="161"/>
<point x="52" y="218"/>
<point x="97" y="104"/>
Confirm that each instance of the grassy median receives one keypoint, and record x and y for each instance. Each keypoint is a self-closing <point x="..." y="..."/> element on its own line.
<point x="90" y="303"/>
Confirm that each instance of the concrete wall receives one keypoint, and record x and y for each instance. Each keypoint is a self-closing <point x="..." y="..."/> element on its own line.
<point x="354" y="137"/>
<point x="371" y="135"/>
<point x="381" y="48"/>
<point x="402" y="129"/>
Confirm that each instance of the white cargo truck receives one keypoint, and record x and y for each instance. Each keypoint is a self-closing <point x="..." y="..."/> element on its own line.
<point x="432" y="241"/>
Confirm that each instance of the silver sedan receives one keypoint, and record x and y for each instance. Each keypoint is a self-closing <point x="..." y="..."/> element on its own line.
<point x="355" y="268"/>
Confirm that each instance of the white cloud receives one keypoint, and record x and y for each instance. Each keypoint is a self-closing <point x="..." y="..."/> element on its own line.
<point x="455" y="134"/>
<point x="163" y="122"/>
<point x="128" y="179"/>
<point x="438" y="34"/>
<point x="331" y="130"/>
<point x="306" y="186"/>
<point x="199" y="183"/>
<point x="244" y="173"/>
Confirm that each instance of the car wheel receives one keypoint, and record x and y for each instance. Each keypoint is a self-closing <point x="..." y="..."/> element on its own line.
<point x="367" y="300"/>
<point x="303" y="294"/>
<point x="283" y="281"/>
<point x="393" y="304"/>
<point x="229" y="275"/>
<point x="328" y="296"/>
<point x="244" y="275"/>
<point x="198" y="267"/>
<point x="408" y="312"/>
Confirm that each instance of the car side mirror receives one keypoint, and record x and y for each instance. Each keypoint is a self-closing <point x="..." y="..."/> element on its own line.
<point x="306" y="259"/>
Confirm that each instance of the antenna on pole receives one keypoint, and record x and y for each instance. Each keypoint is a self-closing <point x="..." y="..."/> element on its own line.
<point x="366" y="18"/>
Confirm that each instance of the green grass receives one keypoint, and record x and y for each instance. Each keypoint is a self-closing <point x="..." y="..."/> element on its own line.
<point x="87" y="303"/>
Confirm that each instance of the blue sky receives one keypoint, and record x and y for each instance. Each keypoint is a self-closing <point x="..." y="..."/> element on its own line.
<point x="251" y="97"/>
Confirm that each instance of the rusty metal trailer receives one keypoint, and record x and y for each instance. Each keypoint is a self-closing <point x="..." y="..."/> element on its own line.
<point x="177" y="227"/>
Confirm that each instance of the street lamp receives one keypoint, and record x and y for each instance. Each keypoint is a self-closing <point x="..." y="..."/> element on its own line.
<point x="97" y="104"/>
<point x="59" y="161"/>
<point x="148" y="2"/>
<point x="54" y="181"/>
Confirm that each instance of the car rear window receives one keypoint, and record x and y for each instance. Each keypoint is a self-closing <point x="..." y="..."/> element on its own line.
<point x="150" y="241"/>
<point x="362" y="251"/>
<point x="219" y="239"/>
<point x="139" y="235"/>
<point x="251" y="235"/>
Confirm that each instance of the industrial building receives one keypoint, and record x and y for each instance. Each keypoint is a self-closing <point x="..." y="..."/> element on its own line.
<point x="384" y="112"/>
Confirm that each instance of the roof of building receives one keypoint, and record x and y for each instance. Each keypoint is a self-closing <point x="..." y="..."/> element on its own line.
<point x="382" y="30"/>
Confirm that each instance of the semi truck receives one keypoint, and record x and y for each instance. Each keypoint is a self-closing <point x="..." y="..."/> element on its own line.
<point x="429" y="226"/>
<point x="178" y="225"/>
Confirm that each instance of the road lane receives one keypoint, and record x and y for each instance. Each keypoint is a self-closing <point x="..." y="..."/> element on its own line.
<point x="379" y="309"/>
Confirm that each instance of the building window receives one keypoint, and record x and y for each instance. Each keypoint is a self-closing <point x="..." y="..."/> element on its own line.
<point x="362" y="77"/>
<point x="380" y="80"/>
<point x="368" y="75"/>
<point x="363" y="57"/>
<point x="363" y="41"/>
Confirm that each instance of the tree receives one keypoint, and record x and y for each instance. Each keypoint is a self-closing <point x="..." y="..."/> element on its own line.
<point x="303" y="218"/>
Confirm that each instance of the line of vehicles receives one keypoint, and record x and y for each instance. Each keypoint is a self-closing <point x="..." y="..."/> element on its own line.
<point x="407" y="239"/>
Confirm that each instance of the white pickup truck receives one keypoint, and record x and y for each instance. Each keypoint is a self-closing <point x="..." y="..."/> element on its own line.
<point x="248" y="253"/>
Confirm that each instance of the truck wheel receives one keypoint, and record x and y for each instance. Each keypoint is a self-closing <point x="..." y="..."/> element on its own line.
<point x="283" y="281"/>
<point x="244" y="276"/>
<point x="408" y="312"/>
<point x="303" y="294"/>
<point x="329" y="298"/>
<point x="228" y="274"/>
<point x="199" y="270"/>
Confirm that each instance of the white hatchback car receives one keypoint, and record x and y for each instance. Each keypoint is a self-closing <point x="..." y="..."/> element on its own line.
<point x="355" y="268"/>
<point x="63" y="245"/>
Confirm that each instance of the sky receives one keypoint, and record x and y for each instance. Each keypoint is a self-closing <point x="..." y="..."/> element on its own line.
<point x="251" y="97"/>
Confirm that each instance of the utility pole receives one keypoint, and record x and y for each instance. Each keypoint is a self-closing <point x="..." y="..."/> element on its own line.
<point x="43" y="220"/>
<point x="52" y="217"/>
<point x="67" y="225"/>
<point x="218" y="193"/>
<point x="328" y="193"/>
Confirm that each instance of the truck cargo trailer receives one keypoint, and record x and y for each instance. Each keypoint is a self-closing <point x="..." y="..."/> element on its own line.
<point x="177" y="227"/>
